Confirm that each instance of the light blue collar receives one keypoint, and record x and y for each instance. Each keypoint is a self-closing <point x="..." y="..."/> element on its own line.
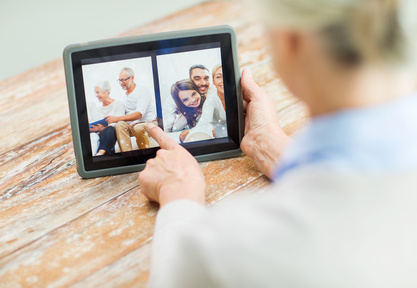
<point x="373" y="139"/>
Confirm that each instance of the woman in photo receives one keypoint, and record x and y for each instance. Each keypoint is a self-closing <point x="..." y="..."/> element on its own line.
<point x="218" y="83"/>
<point x="105" y="136"/>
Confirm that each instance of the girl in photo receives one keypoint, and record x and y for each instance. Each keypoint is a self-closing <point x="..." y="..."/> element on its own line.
<point x="189" y="105"/>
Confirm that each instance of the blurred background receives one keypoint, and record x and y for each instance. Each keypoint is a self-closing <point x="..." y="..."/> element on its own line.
<point x="35" y="32"/>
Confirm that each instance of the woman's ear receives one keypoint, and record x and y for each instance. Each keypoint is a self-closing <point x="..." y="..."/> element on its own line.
<point x="291" y="48"/>
<point x="286" y="49"/>
<point x="298" y="60"/>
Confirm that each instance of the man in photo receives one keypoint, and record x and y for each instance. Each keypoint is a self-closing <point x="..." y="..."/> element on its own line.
<point x="140" y="110"/>
<point x="200" y="75"/>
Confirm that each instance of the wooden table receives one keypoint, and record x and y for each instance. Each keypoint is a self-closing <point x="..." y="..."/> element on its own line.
<point x="59" y="230"/>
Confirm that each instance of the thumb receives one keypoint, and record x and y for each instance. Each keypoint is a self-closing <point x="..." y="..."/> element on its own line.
<point x="249" y="87"/>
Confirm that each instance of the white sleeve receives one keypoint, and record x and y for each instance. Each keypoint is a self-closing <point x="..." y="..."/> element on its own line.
<point x="171" y="117"/>
<point x="207" y="113"/>
<point x="180" y="123"/>
<point x="144" y="100"/>
<point x="197" y="248"/>
<point x="245" y="244"/>
<point x="315" y="229"/>
<point x="172" y="221"/>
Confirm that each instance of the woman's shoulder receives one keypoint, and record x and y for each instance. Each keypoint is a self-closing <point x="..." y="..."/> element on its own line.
<point x="117" y="102"/>
<point x="169" y="106"/>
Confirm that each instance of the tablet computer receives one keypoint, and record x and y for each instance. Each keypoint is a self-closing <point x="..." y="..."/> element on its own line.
<point x="186" y="82"/>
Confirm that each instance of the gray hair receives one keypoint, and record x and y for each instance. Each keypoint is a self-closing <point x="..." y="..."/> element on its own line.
<point x="129" y="71"/>
<point x="353" y="31"/>
<point x="104" y="86"/>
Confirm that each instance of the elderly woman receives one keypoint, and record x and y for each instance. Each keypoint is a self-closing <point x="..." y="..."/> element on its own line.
<point x="103" y="138"/>
<point x="342" y="211"/>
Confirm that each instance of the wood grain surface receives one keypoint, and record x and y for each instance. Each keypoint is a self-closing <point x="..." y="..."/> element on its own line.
<point x="59" y="230"/>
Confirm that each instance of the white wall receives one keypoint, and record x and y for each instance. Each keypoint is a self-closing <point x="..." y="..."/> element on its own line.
<point x="35" y="32"/>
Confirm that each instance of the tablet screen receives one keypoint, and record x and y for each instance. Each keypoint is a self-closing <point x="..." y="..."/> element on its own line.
<point x="186" y="86"/>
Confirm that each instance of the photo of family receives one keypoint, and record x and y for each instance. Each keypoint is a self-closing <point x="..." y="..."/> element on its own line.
<point x="120" y="102"/>
<point x="192" y="95"/>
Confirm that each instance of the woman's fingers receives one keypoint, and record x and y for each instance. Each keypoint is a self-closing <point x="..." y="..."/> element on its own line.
<point x="163" y="139"/>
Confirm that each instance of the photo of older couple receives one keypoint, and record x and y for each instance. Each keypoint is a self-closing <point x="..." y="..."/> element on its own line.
<point x="120" y="104"/>
<point x="121" y="100"/>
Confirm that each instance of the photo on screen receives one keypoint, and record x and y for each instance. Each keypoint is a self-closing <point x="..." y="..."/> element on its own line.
<point x="192" y="95"/>
<point x="117" y="89"/>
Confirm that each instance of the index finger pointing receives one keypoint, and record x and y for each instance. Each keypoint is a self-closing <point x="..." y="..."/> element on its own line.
<point x="163" y="139"/>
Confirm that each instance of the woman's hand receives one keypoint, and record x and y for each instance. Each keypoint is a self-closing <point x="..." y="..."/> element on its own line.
<point x="112" y="119"/>
<point x="97" y="128"/>
<point x="173" y="174"/>
<point x="264" y="139"/>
